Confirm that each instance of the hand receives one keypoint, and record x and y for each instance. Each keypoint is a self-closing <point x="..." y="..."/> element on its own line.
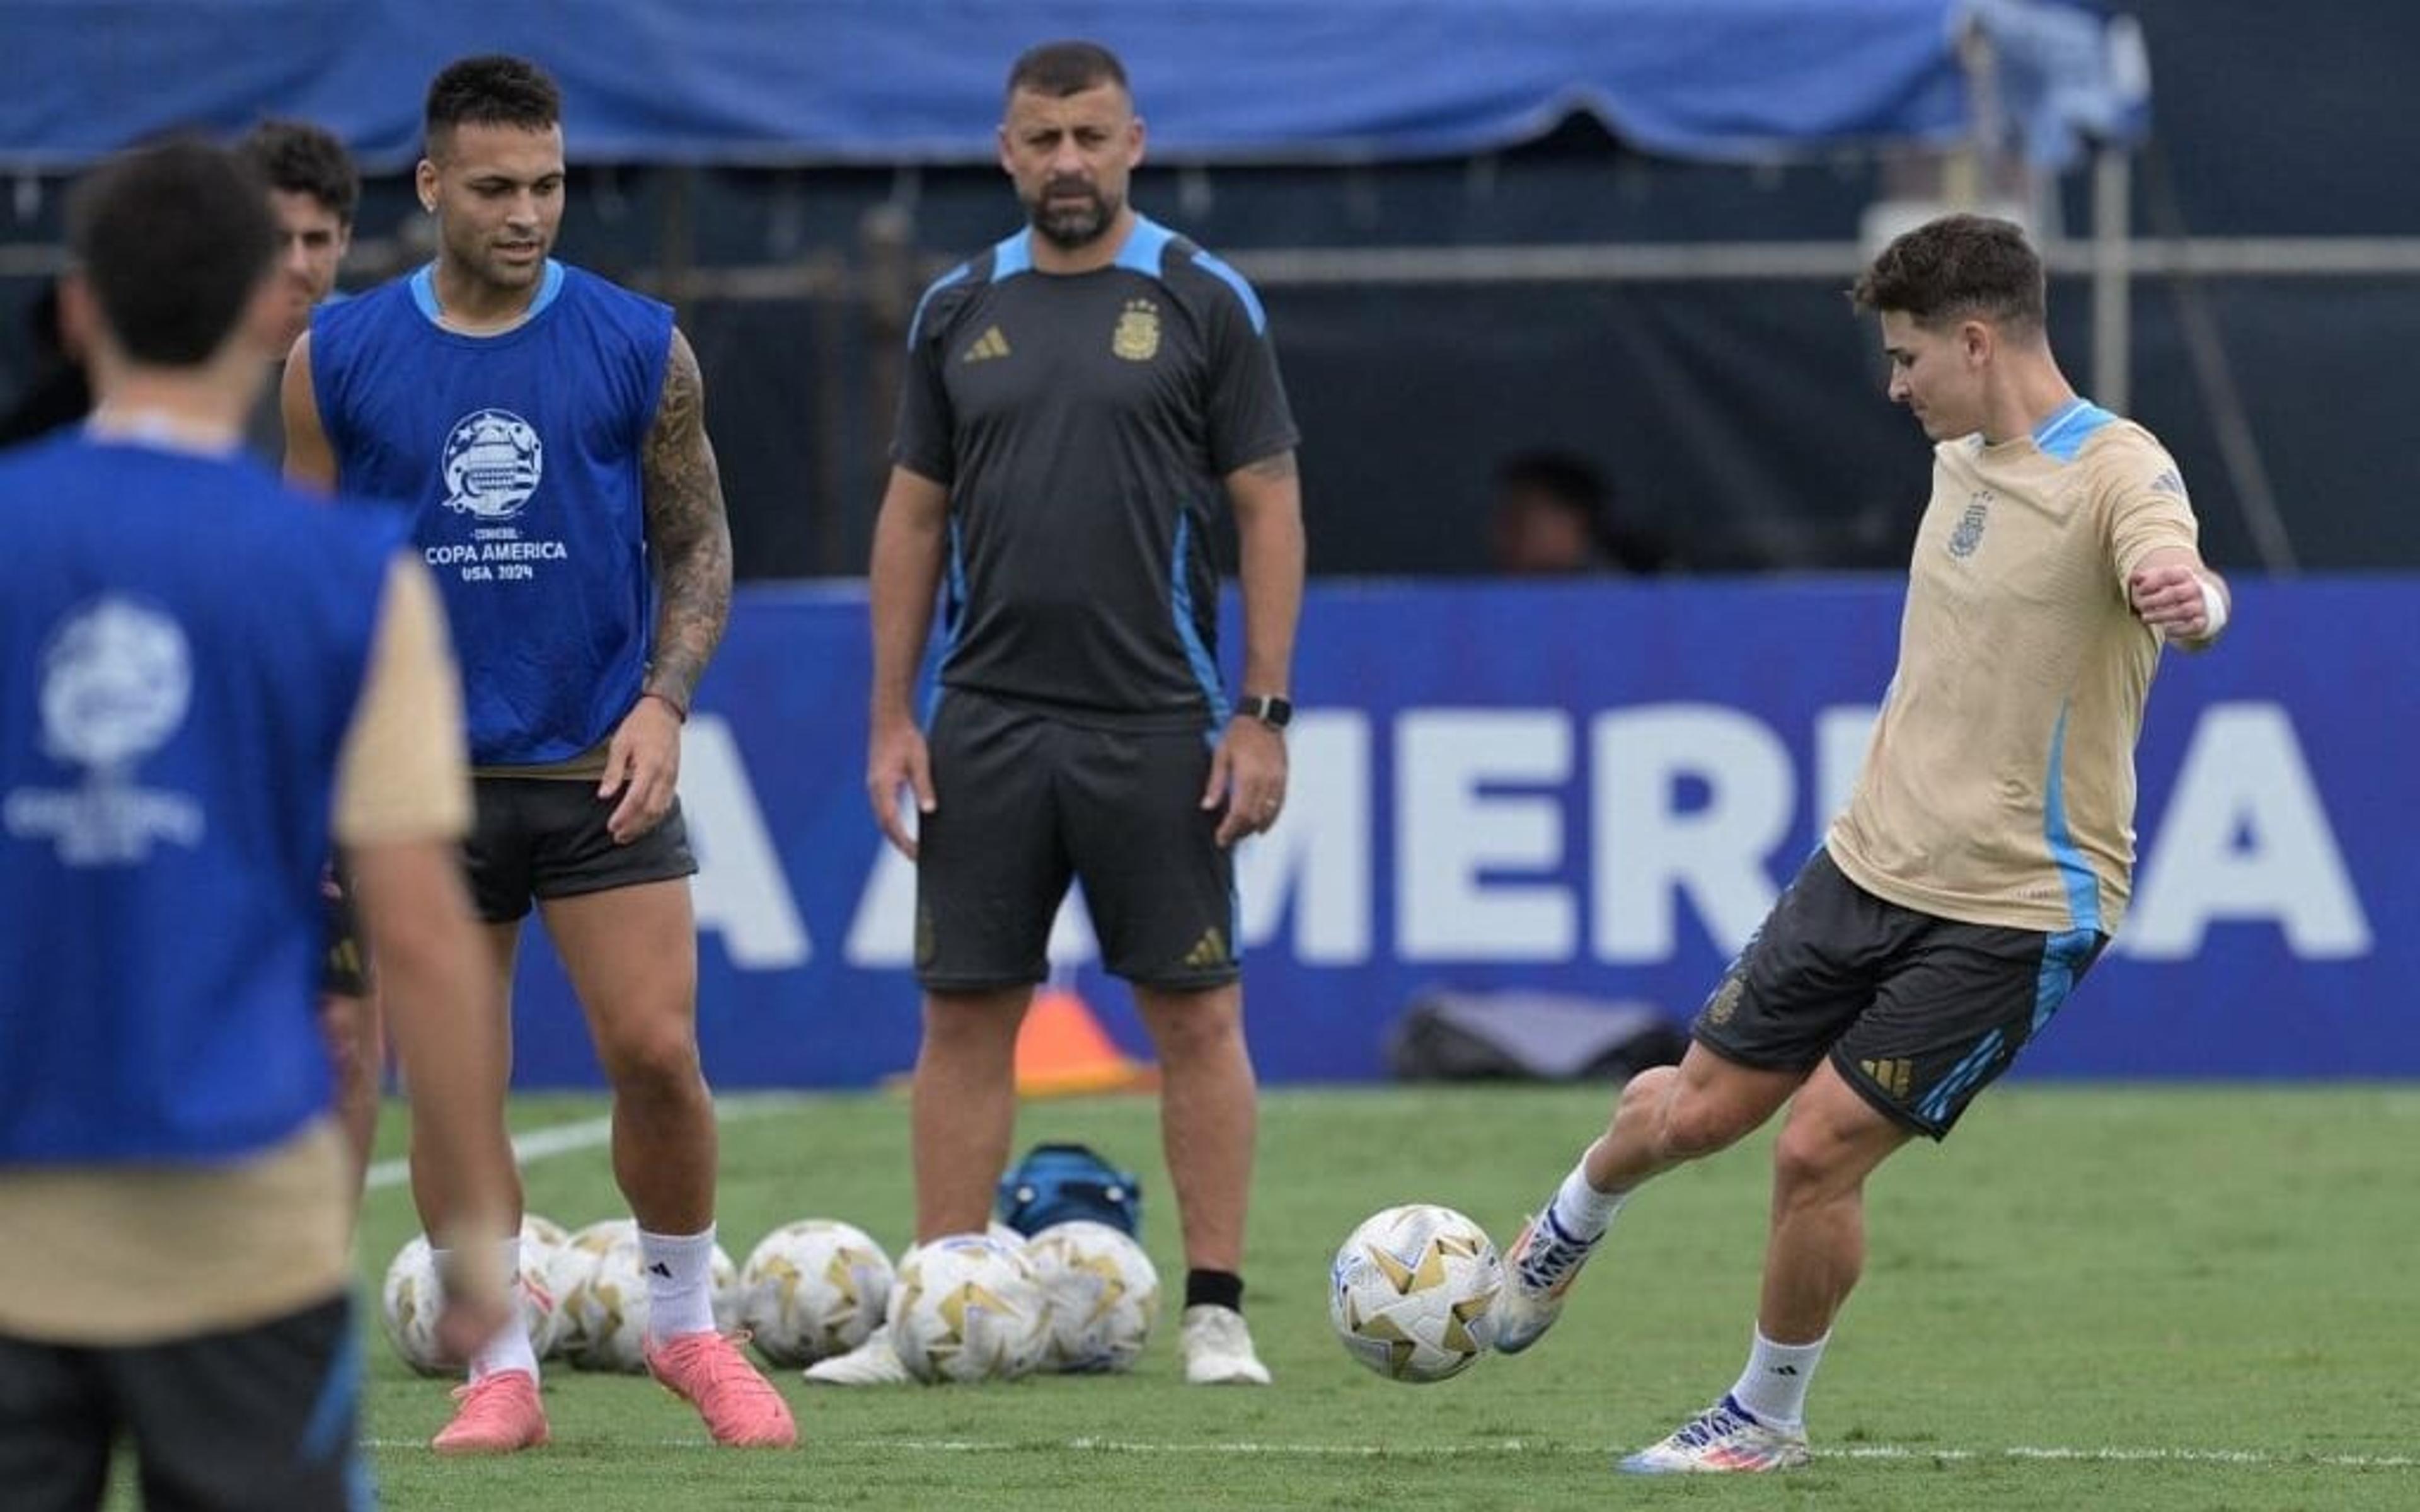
<point x="2168" y="598"/>
<point x="1249" y="772"/>
<point x="896" y="758"/>
<point x="477" y="1306"/>
<point x="642" y="765"/>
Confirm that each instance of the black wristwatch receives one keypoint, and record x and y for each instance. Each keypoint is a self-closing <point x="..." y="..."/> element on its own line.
<point x="1272" y="709"/>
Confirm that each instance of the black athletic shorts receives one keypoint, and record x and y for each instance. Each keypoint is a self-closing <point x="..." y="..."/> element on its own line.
<point x="344" y="971"/>
<point x="259" y="1418"/>
<point x="1917" y="1012"/>
<point x="544" y="837"/>
<point x="1028" y="801"/>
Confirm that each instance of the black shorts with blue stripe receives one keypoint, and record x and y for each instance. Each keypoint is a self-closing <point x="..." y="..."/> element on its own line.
<point x="1918" y="1013"/>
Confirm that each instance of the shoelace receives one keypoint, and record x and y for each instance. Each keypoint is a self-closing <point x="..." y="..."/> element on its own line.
<point x="1716" y="1422"/>
<point x="1550" y="1255"/>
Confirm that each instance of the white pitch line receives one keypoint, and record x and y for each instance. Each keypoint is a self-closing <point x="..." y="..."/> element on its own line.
<point x="1879" y="1453"/>
<point x="586" y="1133"/>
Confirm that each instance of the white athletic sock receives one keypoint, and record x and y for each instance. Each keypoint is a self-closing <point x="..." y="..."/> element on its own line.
<point x="509" y="1350"/>
<point x="680" y="1282"/>
<point x="1580" y="1209"/>
<point x="1773" y="1388"/>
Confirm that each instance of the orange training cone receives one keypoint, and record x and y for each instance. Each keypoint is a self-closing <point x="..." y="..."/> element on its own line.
<point x="1063" y="1051"/>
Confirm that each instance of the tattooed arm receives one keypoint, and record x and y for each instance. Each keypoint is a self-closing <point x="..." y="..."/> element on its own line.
<point x="689" y="547"/>
<point x="688" y="538"/>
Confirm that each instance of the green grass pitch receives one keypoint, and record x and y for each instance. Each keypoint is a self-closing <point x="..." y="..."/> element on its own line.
<point x="2090" y="1298"/>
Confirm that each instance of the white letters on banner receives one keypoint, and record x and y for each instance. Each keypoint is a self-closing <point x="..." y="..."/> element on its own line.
<point x="1690" y="809"/>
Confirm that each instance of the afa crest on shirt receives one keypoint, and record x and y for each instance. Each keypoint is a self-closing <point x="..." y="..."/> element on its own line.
<point x="1137" y="337"/>
<point x="1969" y="533"/>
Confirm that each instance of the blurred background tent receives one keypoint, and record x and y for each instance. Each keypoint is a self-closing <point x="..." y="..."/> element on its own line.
<point x="1617" y="227"/>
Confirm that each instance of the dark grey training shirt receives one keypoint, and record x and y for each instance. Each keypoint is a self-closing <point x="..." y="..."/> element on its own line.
<point x="1084" y="422"/>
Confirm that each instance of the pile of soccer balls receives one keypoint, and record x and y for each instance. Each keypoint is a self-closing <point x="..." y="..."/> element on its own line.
<point x="1081" y="1297"/>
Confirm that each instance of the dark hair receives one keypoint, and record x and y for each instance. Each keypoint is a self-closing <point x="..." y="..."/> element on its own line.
<point x="490" y="90"/>
<point x="1570" y="482"/>
<point x="1564" y="478"/>
<point x="303" y="159"/>
<point x="173" y="240"/>
<point x="1954" y="267"/>
<point x="1058" y="69"/>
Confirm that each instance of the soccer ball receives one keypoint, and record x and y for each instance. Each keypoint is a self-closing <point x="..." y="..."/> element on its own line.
<point x="1104" y="1296"/>
<point x="1413" y="1293"/>
<point x="412" y="1300"/>
<point x="966" y="1307"/>
<point x="409" y="1303"/>
<point x="540" y="1239"/>
<point x="606" y="1306"/>
<point x="813" y="1289"/>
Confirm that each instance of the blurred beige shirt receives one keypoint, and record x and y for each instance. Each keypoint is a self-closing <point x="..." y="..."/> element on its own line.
<point x="1999" y="785"/>
<point x="143" y="1253"/>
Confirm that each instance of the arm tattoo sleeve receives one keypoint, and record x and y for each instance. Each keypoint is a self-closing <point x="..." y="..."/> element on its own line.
<point x="689" y="543"/>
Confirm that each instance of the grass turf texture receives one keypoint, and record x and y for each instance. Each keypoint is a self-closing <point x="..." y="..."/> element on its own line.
<point x="2188" y="1298"/>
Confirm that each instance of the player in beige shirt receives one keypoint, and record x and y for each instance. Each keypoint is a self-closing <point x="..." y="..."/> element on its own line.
<point x="1985" y="856"/>
<point x="182" y="1279"/>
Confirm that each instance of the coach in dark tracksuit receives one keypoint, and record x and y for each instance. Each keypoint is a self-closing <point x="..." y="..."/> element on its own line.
<point x="1079" y="400"/>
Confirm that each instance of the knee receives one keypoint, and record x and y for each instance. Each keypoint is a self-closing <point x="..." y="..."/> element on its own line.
<point x="1197" y="1033"/>
<point x="658" y="1061"/>
<point x="1695" y="1124"/>
<point x="1808" y="1160"/>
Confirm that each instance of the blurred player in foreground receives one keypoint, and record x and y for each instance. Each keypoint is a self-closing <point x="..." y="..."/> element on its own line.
<point x="175" y="737"/>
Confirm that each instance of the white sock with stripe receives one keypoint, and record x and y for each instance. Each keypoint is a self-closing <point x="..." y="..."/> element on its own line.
<point x="1773" y="1388"/>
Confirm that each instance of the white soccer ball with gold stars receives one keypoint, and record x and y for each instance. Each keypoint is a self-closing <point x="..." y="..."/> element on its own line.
<point x="605" y="1308"/>
<point x="410" y="1299"/>
<point x="1104" y="1296"/>
<point x="1413" y="1293"/>
<point x="968" y="1307"/>
<point x="813" y="1289"/>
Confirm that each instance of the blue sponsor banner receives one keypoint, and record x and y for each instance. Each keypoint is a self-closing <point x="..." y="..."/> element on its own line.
<point x="1596" y="789"/>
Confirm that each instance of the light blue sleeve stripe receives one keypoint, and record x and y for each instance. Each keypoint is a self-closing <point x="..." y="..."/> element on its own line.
<point x="1180" y="598"/>
<point x="953" y="619"/>
<point x="1235" y="281"/>
<point x="916" y="323"/>
<point x="2075" y="873"/>
<point x="1146" y="244"/>
<point x="1012" y="255"/>
<point x="2065" y="432"/>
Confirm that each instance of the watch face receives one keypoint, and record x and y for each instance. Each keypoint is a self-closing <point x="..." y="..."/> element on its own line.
<point x="1270" y="710"/>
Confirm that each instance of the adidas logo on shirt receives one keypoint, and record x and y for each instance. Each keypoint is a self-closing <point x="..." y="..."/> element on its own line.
<point x="989" y="344"/>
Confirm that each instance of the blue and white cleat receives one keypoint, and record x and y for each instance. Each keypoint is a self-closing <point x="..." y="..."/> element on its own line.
<point x="1722" y="1438"/>
<point x="1538" y="1270"/>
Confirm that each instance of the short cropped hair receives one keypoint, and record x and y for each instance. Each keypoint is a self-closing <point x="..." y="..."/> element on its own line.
<point x="303" y="159"/>
<point x="173" y="240"/>
<point x="489" y="90"/>
<point x="1058" y="69"/>
<point x="1955" y="267"/>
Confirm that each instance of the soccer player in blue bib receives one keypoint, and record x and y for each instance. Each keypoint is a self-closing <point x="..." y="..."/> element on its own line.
<point x="204" y="678"/>
<point x="545" y="430"/>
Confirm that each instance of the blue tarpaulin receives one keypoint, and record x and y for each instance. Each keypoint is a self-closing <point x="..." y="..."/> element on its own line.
<point x="773" y="82"/>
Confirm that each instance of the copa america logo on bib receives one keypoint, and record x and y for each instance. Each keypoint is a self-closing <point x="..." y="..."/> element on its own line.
<point x="493" y="460"/>
<point x="118" y="681"/>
